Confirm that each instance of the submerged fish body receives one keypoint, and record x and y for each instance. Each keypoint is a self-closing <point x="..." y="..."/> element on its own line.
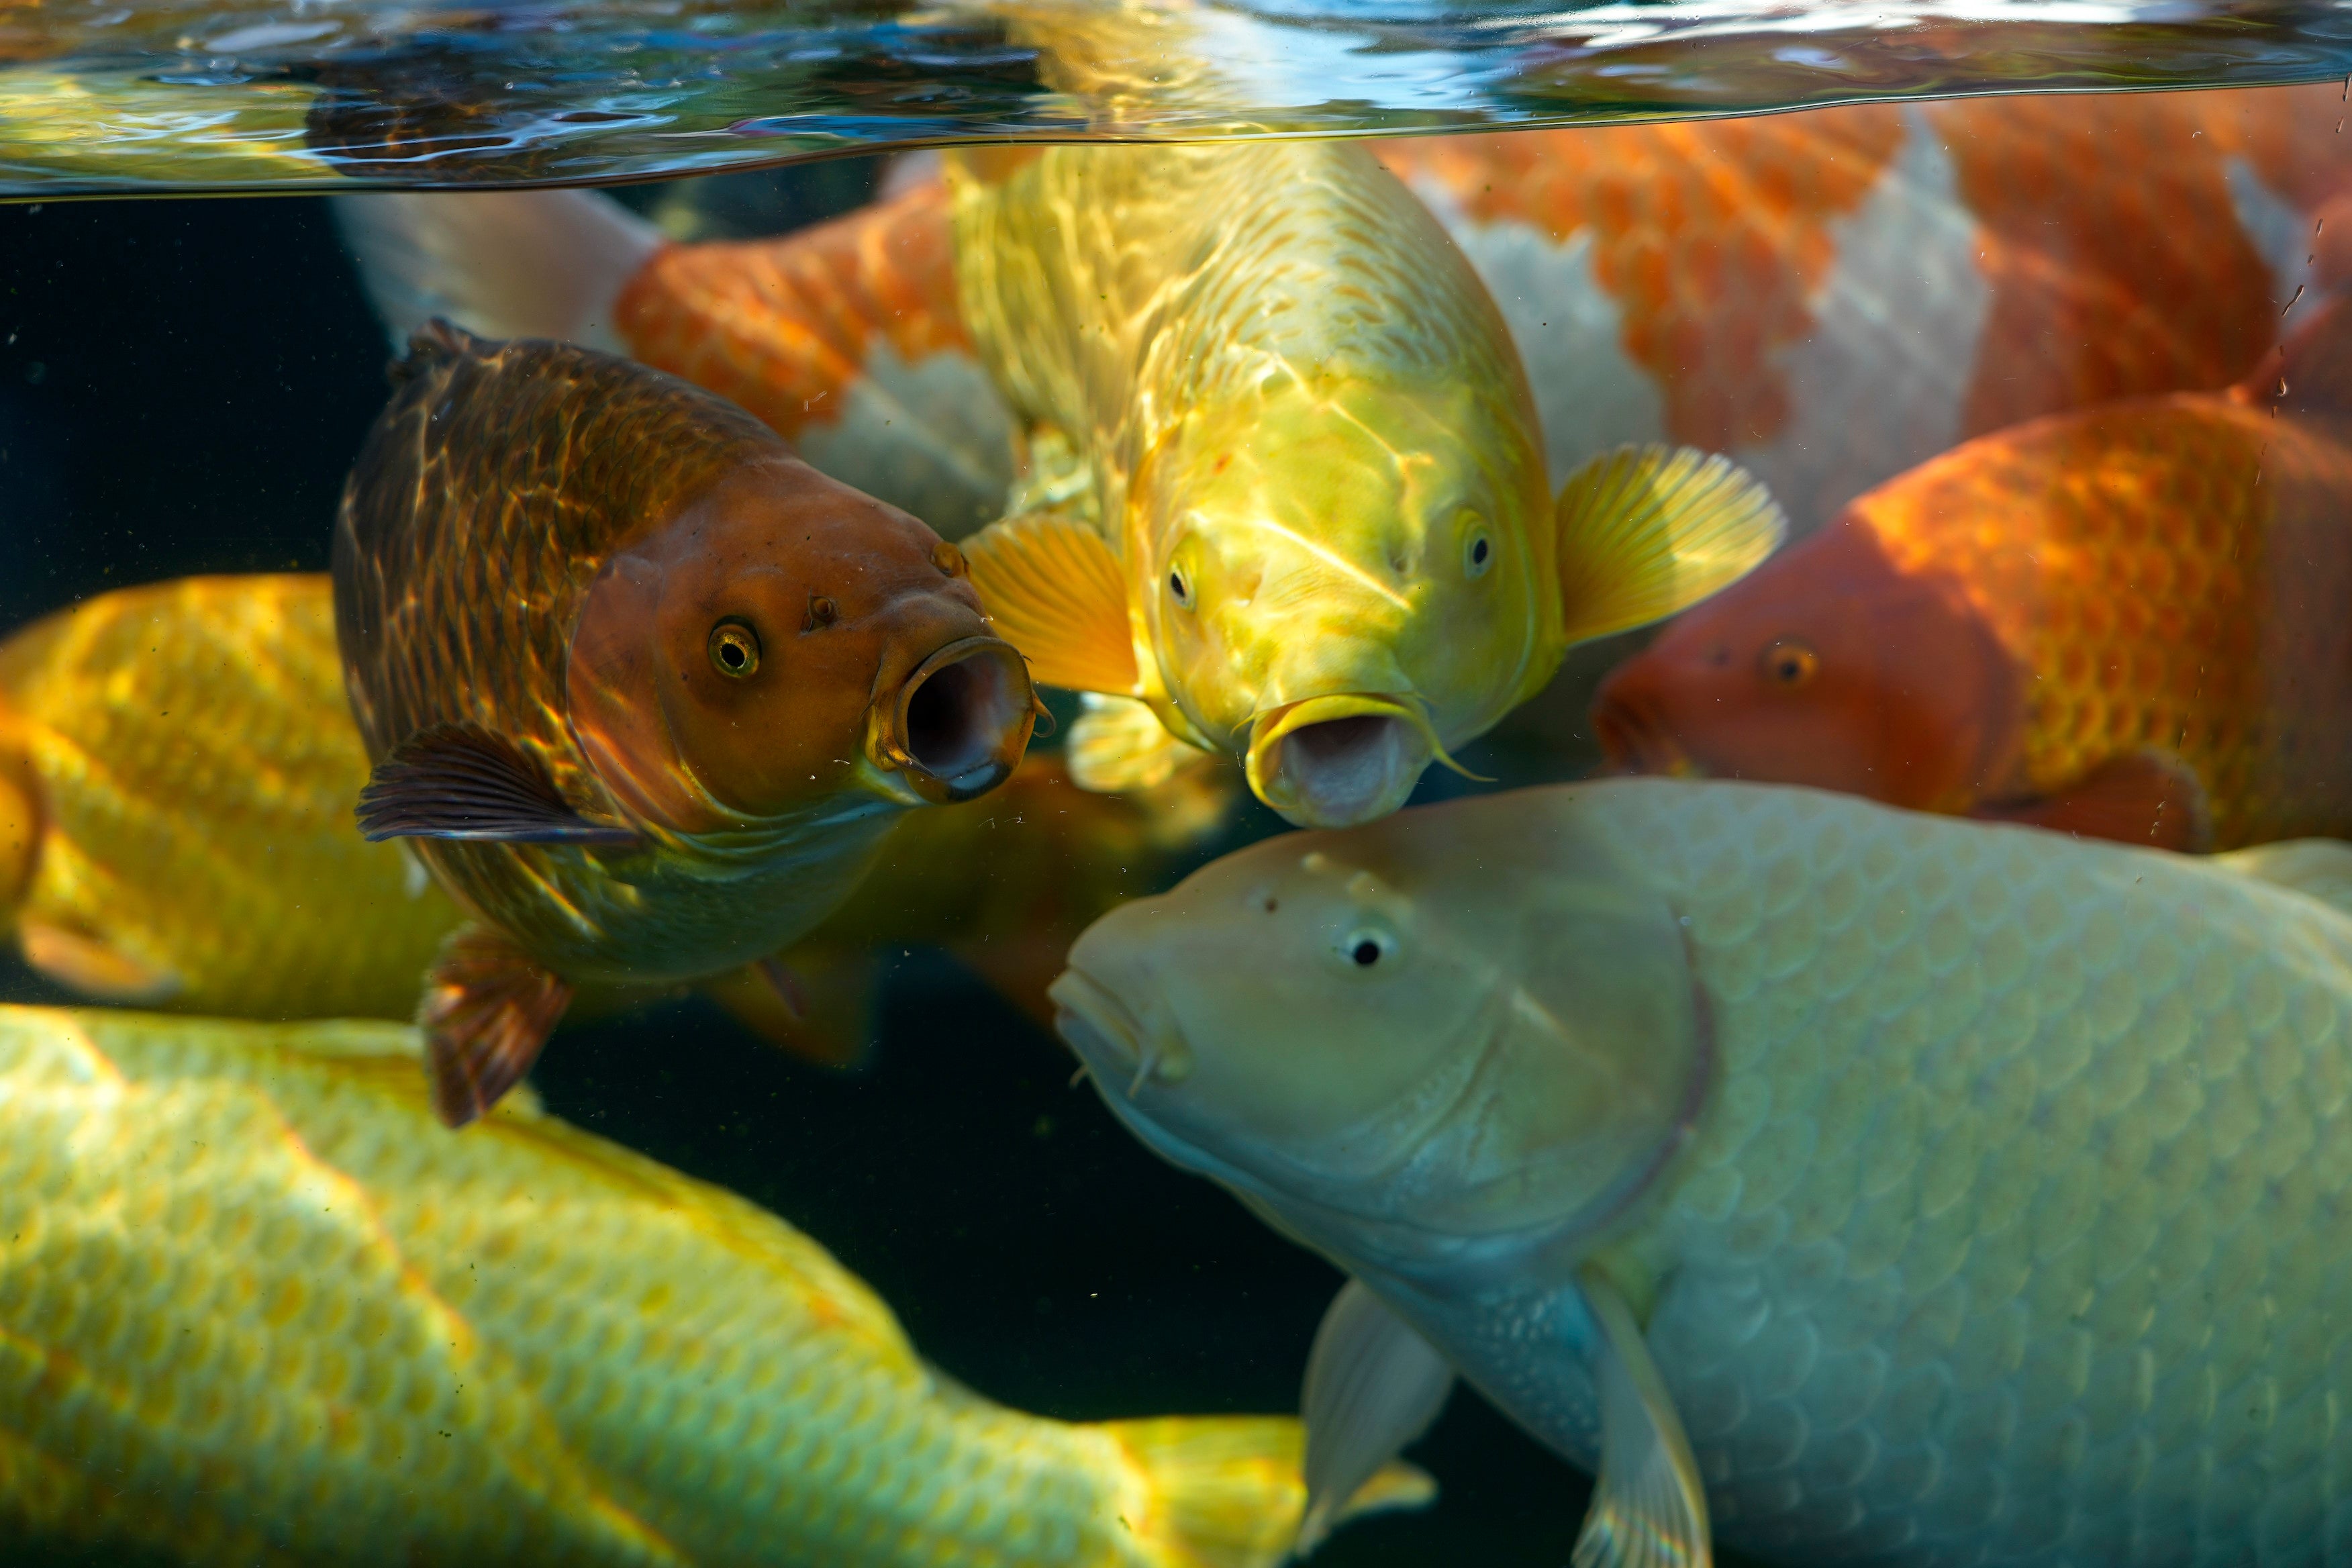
<point x="2127" y="622"/>
<point x="644" y="689"/>
<point x="259" y="1310"/>
<point x="1833" y="296"/>
<point x="1284" y="491"/>
<point x="1898" y="1190"/>
<point x="182" y="765"/>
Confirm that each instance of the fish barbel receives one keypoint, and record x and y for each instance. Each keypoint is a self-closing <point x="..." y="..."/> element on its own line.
<point x="2128" y="622"/>
<point x="257" y="1308"/>
<point x="1887" y="1188"/>
<point x="182" y="762"/>
<point x="643" y="689"/>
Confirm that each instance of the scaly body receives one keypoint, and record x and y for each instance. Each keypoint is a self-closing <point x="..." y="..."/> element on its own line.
<point x="254" y="1306"/>
<point x="189" y="765"/>
<point x="2126" y="621"/>
<point x="1981" y="1195"/>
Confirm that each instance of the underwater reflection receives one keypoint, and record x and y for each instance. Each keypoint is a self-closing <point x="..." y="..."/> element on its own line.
<point x="189" y="97"/>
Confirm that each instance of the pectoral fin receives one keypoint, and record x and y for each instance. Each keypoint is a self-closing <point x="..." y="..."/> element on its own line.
<point x="1373" y="1385"/>
<point x="95" y="967"/>
<point x="2148" y="798"/>
<point x="1647" y="532"/>
<point x="1118" y="745"/>
<point x="460" y="781"/>
<point x="1054" y="589"/>
<point x="815" y="1002"/>
<point x="1649" y="1509"/>
<point x="489" y="1007"/>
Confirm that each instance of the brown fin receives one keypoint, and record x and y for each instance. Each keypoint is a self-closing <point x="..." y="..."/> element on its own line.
<point x="2149" y="798"/>
<point x="1647" y="532"/>
<point x="817" y="1002"/>
<point x="95" y="968"/>
<point x="460" y="781"/>
<point x="489" y="1007"/>
<point x="1052" y="587"/>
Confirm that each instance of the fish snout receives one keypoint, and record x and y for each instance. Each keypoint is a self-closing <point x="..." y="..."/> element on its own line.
<point x="961" y="721"/>
<point x="1338" y="762"/>
<point x="1121" y="1053"/>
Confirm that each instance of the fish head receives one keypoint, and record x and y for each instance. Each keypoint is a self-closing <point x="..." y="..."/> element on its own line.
<point x="784" y="639"/>
<point x="1829" y="666"/>
<point x="1451" y="1035"/>
<point x="1342" y="581"/>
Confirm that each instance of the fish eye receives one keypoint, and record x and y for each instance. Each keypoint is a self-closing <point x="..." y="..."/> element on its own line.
<point x="1790" y="663"/>
<point x="734" y="649"/>
<point x="1477" y="554"/>
<point x="1180" y="587"/>
<point x="1364" y="948"/>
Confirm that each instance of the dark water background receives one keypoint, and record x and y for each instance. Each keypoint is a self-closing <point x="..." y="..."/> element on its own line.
<point x="182" y="384"/>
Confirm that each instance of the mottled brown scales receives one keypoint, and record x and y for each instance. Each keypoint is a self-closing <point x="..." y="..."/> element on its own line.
<point x="644" y="689"/>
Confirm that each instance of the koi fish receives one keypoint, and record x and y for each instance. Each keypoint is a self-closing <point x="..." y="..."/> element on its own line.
<point x="643" y="689"/>
<point x="2127" y="622"/>
<point x="1829" y="297"/>
<point x="258" y="1310"/>
<point x="1848" y="1183"/>
<point x="1287" y="501"/>
<point x="177" y="768"/>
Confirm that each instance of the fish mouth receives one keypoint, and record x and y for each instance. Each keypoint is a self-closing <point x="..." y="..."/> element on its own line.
<point x="962" y="721"/>
<point x="1105" y="1035"/>
<point x="1634" y="739"/>
<point x="1340" y="761"/>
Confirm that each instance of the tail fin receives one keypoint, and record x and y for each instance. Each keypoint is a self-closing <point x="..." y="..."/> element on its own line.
<point x="2310" y="372"/>
<point x="1224" y="1491"/>
<point x="506" y="264"/>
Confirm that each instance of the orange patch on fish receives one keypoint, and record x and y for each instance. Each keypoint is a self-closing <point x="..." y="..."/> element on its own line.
<point x="1712" y="237"/>
<point x="783" y="327"/>
<point x="2117" y="261"/>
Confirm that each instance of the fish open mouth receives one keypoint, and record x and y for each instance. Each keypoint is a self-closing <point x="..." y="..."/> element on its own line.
<point x="1337" y="762"/>
<point x="963" y="719"/>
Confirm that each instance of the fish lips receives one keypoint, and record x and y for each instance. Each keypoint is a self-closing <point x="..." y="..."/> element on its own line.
<point x="958" y="723"/>
<point x="1341" y="761"/>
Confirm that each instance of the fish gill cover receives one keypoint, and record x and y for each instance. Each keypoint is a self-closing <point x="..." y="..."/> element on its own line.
<point x="103" y="98"/>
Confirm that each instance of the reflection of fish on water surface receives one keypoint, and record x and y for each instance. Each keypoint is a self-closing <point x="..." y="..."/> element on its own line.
<point x="274" y="1315"/>
<point x="2133" y="622"/>
<point x="186" y="761"/>
<point x="187" y="767"/>
<point x="1288" y="503"/>
<point x="1918" y="1190"/>
<point x="644" y="689"/>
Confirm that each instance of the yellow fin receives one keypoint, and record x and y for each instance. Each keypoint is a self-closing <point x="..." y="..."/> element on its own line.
<point x="87" y="965"/>
<point x="1647" y="532"/>
<point x="1054" y="589"/>
<point x="2317" y="867"/>
<point x="1118" y="745"/>
<point x="1225" y="1492"/>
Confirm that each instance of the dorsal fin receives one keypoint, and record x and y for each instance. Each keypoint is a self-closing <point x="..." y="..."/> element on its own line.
<point x="2310" y="372"/>
<point x="2318" y="868"/>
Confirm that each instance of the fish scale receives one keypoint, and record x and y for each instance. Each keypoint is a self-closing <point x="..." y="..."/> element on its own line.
<point x="1921" y="1175"/>
<point x="1971" y="1193"/>
<point x="256" y="1306"/>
